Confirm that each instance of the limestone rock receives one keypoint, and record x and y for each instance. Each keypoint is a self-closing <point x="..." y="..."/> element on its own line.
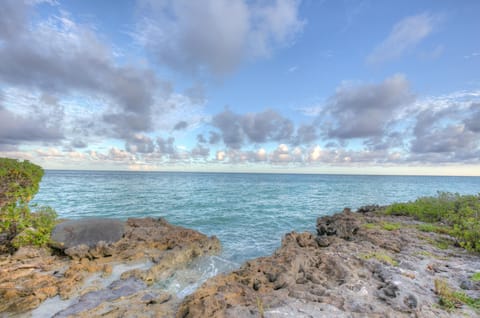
<point x="346" y="270"/>
<point x="32" y="275"/>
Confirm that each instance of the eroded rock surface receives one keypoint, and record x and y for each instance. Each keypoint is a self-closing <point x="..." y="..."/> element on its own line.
<point x="355" y="266"/>
<point x="151" y="249"/>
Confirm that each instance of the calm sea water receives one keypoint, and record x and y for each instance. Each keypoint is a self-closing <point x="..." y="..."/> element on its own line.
<point x="249" y="213"/>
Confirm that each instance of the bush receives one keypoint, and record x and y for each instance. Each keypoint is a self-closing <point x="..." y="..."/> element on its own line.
<point x="451" y="299"/>
<point x="457" y="215"/>
<point x="19" y="182"/>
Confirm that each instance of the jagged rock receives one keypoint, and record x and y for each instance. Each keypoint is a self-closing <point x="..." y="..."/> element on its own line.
<point x="78" y="251"/>
<point x="32" y="275"/>
<point x="347" y="270"/>
<point x="343" y="225"/>
<point x="368" y="208"/>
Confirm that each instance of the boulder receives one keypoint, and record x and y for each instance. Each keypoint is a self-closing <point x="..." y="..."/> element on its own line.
<point x="344" y="225"/>
<point x="87" y="232"/>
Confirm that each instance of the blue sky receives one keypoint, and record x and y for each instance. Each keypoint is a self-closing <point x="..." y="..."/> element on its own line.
<point x="262" y="86"/>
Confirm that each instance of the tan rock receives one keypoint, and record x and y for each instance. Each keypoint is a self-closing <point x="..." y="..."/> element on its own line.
<point x="32" y="275"/>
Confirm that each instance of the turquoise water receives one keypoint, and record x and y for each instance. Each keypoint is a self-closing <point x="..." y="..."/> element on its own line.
<point x="249" y="213"/>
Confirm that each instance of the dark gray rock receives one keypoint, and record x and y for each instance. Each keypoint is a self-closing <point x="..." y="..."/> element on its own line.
<point x="466" y="284"/>
<point x="410" y="301"/>
<point x="345" y="225"/>
<point x="87" y="232"/>
<point x="368" y="208"/>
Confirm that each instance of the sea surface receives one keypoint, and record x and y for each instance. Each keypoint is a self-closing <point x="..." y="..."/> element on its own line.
<point x="249" y="213"/>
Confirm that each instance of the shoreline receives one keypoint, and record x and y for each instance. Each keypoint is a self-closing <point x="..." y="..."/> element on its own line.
<point x="385" y="265"/>
<point x="356" y="265"/>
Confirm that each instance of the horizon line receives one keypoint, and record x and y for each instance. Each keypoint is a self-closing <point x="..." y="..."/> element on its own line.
<point x="268" y="172"/>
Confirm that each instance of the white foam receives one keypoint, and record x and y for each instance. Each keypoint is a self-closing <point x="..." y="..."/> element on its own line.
<point x="185" y="281"/>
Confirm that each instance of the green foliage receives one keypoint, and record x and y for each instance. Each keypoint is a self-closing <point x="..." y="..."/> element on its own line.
<point x="371" y="226"/>
<point x="381" y="257"/>
<point x="476" y="277"/>
<point x="459" y="216"/>
<point x="451" y="299"/>
<point x="429" y="227"/>
<point x="390" y="226"/>
<point x="38" y="233"/>
<point x="19" y="182"/>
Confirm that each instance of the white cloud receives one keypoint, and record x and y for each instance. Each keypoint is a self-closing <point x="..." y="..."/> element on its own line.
<point x="365" y="110"/>
<point x="215" y="35"/>
<point x="404" y="36"/>
<point x="220" y="155"/>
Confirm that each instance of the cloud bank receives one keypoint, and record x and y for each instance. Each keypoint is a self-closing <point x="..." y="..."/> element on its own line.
<point x="215" y="36"/>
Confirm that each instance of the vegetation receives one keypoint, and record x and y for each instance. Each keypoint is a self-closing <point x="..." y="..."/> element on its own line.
<point x="19" y="182"/>
<point x="429" y="227"/>
<point x="453" y="214"/>
<point x="476" y="277"/>
<point x="381" y="257"/>
<point x="388" y="226"/>
<point x="371" y="226"/>
<point x="451" y="299"/>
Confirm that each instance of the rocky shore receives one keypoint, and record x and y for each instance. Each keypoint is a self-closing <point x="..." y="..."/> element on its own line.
<point x="98" y="277"/>
<point x="363" y="264"/>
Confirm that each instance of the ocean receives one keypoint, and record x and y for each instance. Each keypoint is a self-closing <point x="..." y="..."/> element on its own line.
<point x="249" y="213"/>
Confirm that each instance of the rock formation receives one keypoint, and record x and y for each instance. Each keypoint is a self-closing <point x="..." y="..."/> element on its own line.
<point x="153" y="248"/>
<point x="363" y="264"/>
<point x="355" y="266"/>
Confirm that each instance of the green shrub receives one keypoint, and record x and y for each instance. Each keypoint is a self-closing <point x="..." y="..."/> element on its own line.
<point x="41" y="224"/>
<point x="388" y="226"/>
<point x="451" y="299"/>
<point x="429" y="227"/>
<point x="19" y="182"/>
<point x="454" y="214"/>
<point x="475" y="277"/>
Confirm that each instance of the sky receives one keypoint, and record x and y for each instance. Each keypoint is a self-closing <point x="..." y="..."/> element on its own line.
<point x="353" y="86"/>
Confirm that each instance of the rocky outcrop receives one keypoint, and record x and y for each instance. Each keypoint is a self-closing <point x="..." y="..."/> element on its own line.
<point x="362" y="264"/>
<point x="87" y="232"/>
<point x="149" y="249"/>
<point x="357" y="265"/>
